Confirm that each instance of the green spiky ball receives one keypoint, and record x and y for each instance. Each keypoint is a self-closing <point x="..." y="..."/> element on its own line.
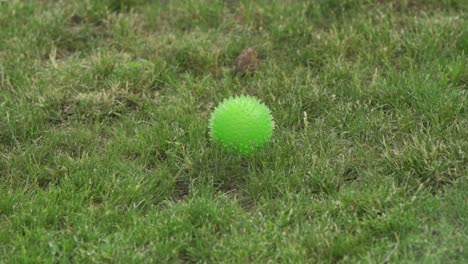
<point x="241" y="123"/>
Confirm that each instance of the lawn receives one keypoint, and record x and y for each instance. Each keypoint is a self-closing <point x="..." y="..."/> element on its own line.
<point x="106" y="155"/>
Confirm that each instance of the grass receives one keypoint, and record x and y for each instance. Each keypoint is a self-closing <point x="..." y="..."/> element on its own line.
<point x="105" y="154"/>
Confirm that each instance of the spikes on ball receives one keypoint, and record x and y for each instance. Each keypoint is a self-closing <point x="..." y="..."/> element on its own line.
<point x="242" y="124"/>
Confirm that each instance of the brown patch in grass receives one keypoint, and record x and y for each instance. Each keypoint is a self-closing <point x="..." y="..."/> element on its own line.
<point x="182" y="189"/>
<point x="99" y="104"/>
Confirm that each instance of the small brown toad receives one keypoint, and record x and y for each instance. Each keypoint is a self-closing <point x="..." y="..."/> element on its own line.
<point x="246" y="63"/>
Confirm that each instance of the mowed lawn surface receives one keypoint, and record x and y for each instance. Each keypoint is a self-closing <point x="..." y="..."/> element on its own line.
<point x="105" y="149"/>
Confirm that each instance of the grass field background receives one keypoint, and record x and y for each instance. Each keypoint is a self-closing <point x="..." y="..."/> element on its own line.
<point x="105" y="151"/>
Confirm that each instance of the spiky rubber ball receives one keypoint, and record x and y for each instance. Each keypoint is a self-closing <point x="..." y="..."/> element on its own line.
<point x="241" y="124"/>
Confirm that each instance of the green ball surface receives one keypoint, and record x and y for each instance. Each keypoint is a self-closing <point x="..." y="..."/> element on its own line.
<point x="241" y="123"/>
